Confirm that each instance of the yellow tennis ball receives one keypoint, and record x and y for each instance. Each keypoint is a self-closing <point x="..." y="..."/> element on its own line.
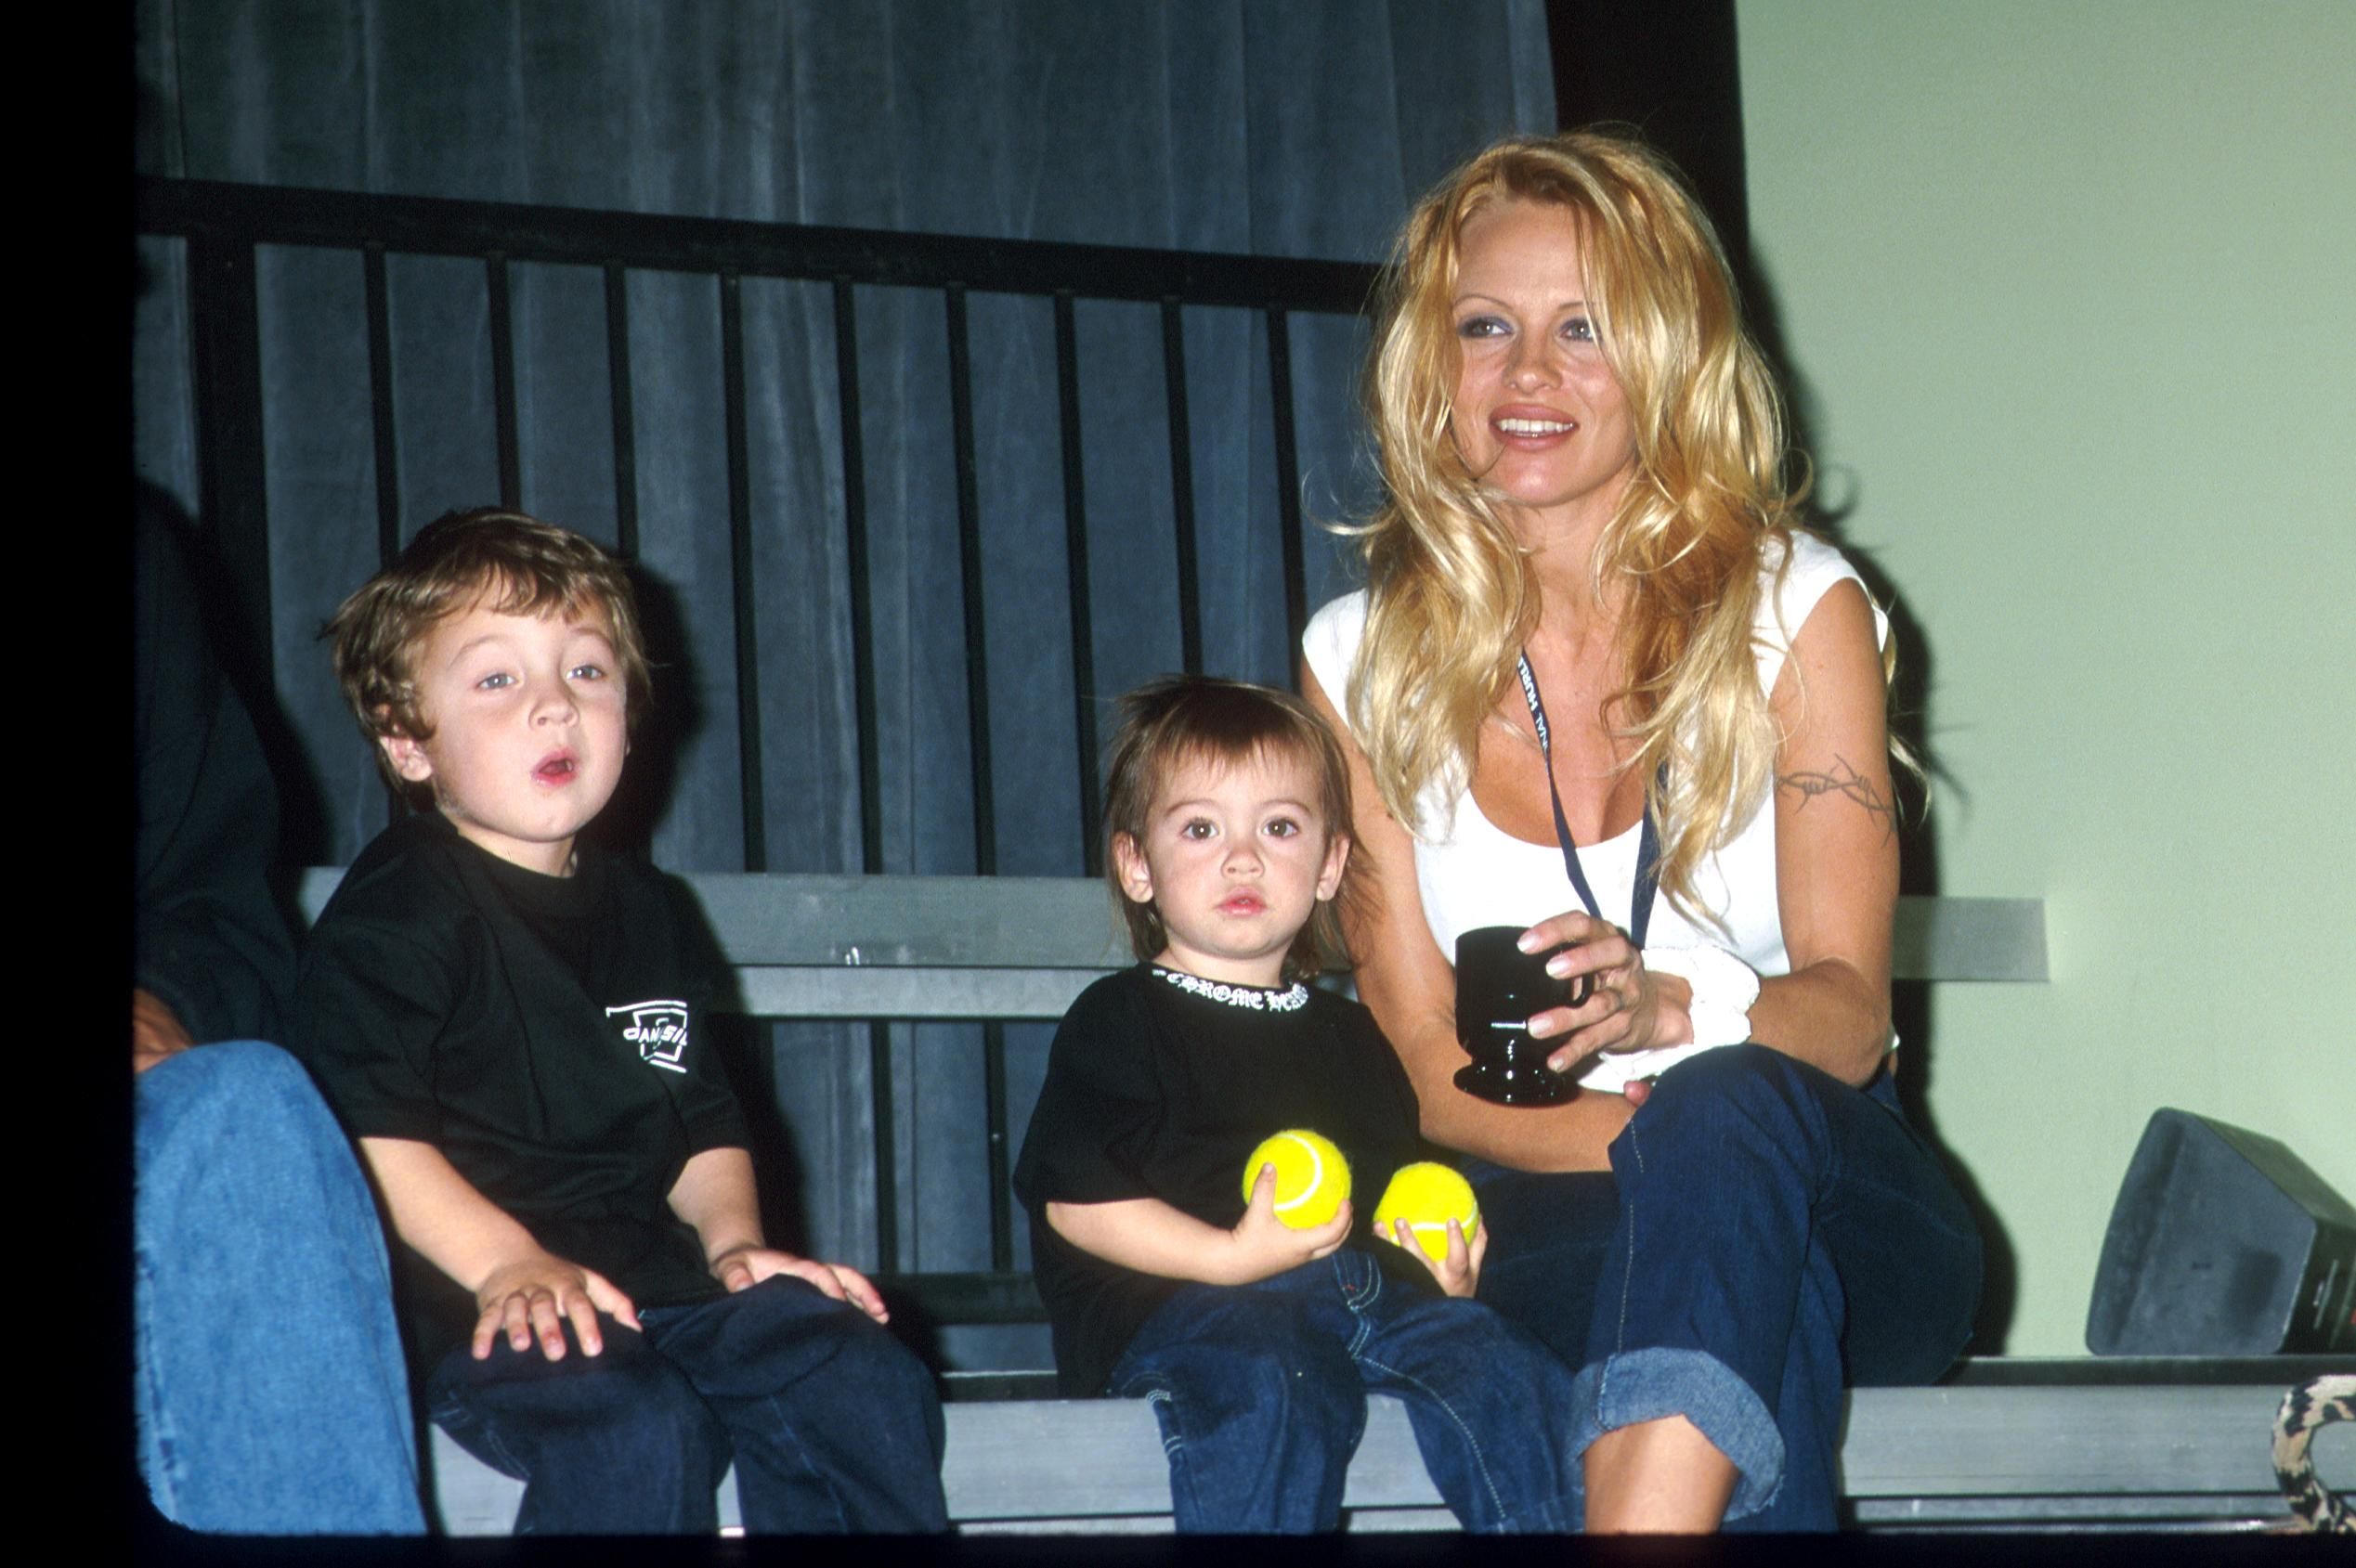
<point x="1427" y="1195"/>
<point x="1311" y="1177"/>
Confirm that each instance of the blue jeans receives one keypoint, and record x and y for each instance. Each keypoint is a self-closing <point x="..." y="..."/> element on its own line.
<point x="1767" y="1238"/>
<point x="834" y="1425"/>
<point x="1261" y="1393"/>
<point x="267" y="1370"/>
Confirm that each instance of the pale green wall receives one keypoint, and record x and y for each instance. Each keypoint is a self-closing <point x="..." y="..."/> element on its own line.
<point x="2071" y="289"/>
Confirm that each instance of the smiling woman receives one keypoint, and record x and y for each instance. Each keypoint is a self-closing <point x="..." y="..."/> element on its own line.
<point x="1538" y="417"/>
<point x="1597" y="659"/>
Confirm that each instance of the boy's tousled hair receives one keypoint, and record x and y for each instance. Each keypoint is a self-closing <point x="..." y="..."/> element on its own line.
<point x="1183" y="719"/>
<point x="509" y="561"/>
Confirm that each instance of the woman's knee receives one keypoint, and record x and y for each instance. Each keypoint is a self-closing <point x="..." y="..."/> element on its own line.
<point x="1730" y="1100"/>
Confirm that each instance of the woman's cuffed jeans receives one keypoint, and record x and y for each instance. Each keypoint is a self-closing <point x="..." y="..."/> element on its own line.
<point x="1767" y="1238"/>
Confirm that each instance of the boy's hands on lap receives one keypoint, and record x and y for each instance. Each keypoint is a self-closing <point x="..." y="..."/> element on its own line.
<point x="1459" y="1273"/>
<point x="534" y="1296"/>
<point x="747" y="1264"/>
<point x="1263" y="1245"/>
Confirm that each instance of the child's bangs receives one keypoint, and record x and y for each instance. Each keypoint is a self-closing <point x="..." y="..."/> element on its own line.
<point x="512" y="593"/>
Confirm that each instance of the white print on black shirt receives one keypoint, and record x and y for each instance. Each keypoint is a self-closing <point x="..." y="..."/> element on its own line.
<point x="658" y="1029"/>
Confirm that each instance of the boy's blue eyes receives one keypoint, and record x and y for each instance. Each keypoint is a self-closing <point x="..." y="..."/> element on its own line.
<point x="500" y="679"/>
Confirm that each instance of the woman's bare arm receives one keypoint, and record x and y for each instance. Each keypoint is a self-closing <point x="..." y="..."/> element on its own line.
<point x="1407" y="982"/>
<point x="1836" y="846"/>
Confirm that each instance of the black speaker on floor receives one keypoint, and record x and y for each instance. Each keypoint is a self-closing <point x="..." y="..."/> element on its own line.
<point x="2223" y="1243"/>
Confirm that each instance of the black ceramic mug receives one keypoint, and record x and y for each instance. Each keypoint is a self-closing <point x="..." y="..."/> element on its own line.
<point x="1498" y="988"/>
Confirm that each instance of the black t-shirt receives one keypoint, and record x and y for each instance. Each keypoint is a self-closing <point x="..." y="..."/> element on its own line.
<point x="546" y="1034"/>
<point x="1157" y="1088"/>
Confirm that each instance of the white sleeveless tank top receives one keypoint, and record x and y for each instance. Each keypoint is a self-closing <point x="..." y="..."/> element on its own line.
<point x="1471" y="872"/>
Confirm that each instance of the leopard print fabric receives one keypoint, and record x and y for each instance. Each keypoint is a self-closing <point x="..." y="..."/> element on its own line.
<point x="2306" y="1407"/>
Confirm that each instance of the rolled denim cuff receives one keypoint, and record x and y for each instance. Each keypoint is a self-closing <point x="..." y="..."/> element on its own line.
<point x="1644" y="1386"/>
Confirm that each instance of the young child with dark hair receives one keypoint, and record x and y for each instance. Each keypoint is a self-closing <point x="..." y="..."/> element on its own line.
<point x="1227" y="832"/>
<point x="513" y="1024"/>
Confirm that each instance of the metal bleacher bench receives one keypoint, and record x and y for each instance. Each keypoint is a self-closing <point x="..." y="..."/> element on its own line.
<point x="2002" y="1442"/>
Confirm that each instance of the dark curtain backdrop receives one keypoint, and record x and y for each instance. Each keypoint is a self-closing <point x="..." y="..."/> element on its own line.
<point x="1291" y="128"/>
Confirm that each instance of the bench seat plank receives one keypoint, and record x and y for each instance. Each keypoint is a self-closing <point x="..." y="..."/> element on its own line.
<point x="780" y="921"/>
<point x="1994" y="1454"/>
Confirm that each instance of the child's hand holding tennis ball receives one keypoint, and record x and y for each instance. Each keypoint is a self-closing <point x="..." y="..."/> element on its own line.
<point x="1430" y="1210"/>
<point x="1296" y="1188"/>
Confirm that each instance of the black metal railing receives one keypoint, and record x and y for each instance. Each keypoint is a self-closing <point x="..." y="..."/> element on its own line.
<point x="225" y="224"/>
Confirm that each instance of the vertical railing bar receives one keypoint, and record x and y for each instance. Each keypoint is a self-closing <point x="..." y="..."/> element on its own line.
<point x="226" y="365"/>
<point x="994" y="1107"/>
<point x="380" y="401"/>
<point x="855" y="531"/>
<point x="977" y="645"/>
<point x="502" y="326"/>
<point x="1288" y="479"/>
<point x="986" y="816"/>
<point x="1189" y="585"/>
<point x="624" y="411"/>
<point x="1075" y="545"/>
<point x="731" y="374"/>
<point x="866" y="705"/>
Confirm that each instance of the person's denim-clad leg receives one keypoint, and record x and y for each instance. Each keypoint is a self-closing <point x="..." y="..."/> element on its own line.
<point x="1259" y="1403"/>
<point x="617" y="1443"/>
<point x="837" y="1427"/>
<point x="1549" y="1233"/>
<point x="1261" y="1390"/>
<point x="1781" y="1235"/>
<point x="1767" y="1238"/>
<point x="267" y="1376"/>
<point x="1488" y="1402"/>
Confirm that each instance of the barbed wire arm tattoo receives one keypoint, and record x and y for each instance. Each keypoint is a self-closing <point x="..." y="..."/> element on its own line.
<point x="1846" y="783"/>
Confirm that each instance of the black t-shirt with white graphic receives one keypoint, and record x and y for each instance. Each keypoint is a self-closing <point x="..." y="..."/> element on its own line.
<point x="1160" y="1087"/>
<point x="546" y="1034"/>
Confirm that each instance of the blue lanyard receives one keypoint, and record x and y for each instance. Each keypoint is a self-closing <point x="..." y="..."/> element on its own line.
<point x="1648" y="838"/>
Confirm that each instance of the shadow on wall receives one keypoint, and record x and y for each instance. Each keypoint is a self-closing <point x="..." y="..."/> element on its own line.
<point x="242" y="649"/>
<point x="661" y="736"/>
<point x="1910" y="724"/>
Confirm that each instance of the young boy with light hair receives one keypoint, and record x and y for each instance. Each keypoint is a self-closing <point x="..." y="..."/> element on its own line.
<point x="513" y="1026"/>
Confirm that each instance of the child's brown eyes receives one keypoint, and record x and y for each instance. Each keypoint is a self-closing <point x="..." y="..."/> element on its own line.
<point x="1284" y="827"/>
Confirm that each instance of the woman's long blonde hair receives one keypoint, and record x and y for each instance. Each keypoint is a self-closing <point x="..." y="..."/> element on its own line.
<point x="1451" y="599"/>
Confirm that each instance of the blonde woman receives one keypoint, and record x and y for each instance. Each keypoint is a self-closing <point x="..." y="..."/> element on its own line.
<point x="1595" y="656"/>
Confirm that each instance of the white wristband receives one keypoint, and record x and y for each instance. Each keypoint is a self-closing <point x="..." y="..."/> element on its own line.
<point x="1723" y="988"/>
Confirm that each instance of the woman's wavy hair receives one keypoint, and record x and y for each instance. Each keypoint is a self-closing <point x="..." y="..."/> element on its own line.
<point x="1451" y="599"/>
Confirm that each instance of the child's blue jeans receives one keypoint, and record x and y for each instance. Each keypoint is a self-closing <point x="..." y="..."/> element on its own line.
<point x="834" y="1425"/>
<point x="1767" y="1238"/>
<point x="1261" y="1393"/>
